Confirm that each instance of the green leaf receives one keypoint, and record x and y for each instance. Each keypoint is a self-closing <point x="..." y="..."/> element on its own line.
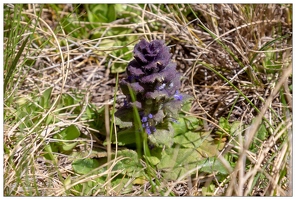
<point x="191" y="150"/>
<point x="84" y="166"/>
<point x="89" y="113"/>
<point x="124" y="124"/>
<point x="208" y="147"/>
<point x="49" y="119"/>
<point x="101" y="13"/>
<point x="125" y="137"/>
<point x="192" y="123"/>
<point x="118" y="67"/>
<point x="88" y="188"/>
<point x="49" y="149"/>
<point x="98" y="122"/>
<point x="108" y="44"/>
<point x="124" y="55"/>
<point x="180" y="127"/>
<point x="163" y="136"/>
<point x="185" y="124"/>
<point x="69" y="133"/>
<point x="262" y="132"/>
<point x="208" y="191"/>
<point x="67" y="100"/>
<point x="270" y="63"/>
<point x="153" y="160"/>
<point x="97" y="13"/>
<point x="140" y="181"/>
<point x="67" y="181"/>
<point x="95" y="153"/>
<point x="120" y="31"/>
<point x="191" y="139"/>
<point x="187" y="103"/>
<point x="111" y="14"/>
<point x="131" y="164"/>
<point x="66" y="146"/>
<point x="236" y="128"/>
<point x="210" y="165"/>
<point x="223" y="123"/>
<point x="176" y="162"/>
<point x="45" y="98"/>
<point x="122" y="185"/>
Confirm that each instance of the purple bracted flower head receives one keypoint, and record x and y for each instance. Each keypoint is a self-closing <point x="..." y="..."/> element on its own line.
<point x="155" y="83"/>
<point x="154" y="56"/>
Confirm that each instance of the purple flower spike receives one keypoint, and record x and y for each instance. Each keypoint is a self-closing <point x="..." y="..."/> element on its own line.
<point x="155" y="83"/>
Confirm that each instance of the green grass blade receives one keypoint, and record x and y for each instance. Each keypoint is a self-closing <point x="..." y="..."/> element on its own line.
<point x="268" y="44"/>
<point x="234" y="87"/>
<point x="14" y="63"/>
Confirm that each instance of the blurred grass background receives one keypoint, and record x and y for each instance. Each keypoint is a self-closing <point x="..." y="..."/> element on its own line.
<point x="61" y="66"/>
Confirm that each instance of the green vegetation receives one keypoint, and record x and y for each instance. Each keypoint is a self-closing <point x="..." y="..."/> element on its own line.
<point x="62" y="68"/>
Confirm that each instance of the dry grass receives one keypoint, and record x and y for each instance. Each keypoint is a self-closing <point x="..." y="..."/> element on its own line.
<point x="221" y="41"/>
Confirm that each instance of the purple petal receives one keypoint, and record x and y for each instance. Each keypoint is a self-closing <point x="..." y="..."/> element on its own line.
<point x="137" y="87"/>
<point x="144" y="119"/>
<point x="178" y="96"/>
<point x="138" y="51"/>
<point x="156" y="94"/>
<point x="137" y="104"/>
<point x="125" y="103"/>
<point x="152" y="128"/>
<point x="174" y="120"/>
<point x="168" y="74"/>
<point x="134" y="71"/>
<point x="161" y="87"/>
<point x="148" y="131"/>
